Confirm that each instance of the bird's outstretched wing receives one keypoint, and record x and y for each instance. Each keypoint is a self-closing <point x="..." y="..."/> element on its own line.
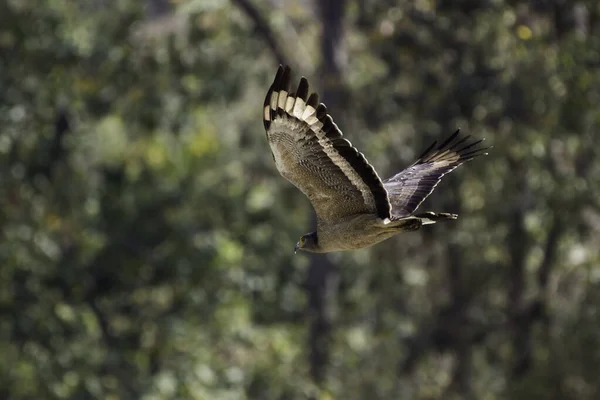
<point x="310" y="152"/>
<point x="408" y="188"/>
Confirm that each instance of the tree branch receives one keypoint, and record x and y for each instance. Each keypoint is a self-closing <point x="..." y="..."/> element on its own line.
<point x="262" y="27"/>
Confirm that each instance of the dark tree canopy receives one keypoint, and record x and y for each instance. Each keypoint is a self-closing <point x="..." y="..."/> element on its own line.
<point x="147" y="237"/>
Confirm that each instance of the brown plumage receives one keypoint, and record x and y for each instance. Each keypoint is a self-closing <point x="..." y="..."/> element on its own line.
<point x="354" y="207"/>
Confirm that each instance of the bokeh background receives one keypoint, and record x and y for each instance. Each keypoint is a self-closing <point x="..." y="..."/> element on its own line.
<point x="147" y="239"/>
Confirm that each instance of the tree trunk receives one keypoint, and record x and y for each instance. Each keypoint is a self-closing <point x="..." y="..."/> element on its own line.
<point x="322" y="278"/>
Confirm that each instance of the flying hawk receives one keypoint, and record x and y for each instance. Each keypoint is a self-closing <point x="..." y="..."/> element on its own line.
<point x="354" y="207"/>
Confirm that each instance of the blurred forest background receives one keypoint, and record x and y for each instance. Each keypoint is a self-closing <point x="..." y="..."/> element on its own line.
<point x="147" y="238"/>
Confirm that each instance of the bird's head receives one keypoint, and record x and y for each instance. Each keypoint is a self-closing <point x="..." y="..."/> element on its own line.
<point x="308" y="242"/>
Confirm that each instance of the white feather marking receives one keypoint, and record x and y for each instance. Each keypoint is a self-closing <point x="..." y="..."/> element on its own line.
<point x="282" y="97"/>
<point x="311" y="120"/>
<point x="273" y="103"/>
<point x="386" y="221"/>
<point x="308" y="112"/>
<point x="317" y="126"/>
<point x="298" y="108"/>
<point x="427" y="221"/>
<point x="267" y="114"/>
<point x="289" y="104"/>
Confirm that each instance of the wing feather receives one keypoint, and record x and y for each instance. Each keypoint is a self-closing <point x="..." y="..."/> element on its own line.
<point x="311" y="152"/>
<point x="408" y="188"/>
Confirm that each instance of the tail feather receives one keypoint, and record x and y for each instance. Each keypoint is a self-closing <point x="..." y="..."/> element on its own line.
<point x="431" y="217"/>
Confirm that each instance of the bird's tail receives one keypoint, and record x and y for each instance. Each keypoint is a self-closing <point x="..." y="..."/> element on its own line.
<point x="431" y="217"/>
<point x="415" y="221"/>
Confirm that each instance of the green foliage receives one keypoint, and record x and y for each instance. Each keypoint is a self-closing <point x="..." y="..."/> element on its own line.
<point x="147" y="238"/>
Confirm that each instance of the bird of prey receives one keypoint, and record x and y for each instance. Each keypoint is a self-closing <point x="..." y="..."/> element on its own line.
<point x="354" y="207"/>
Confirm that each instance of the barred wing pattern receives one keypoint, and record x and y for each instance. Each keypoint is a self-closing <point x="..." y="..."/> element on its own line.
<point x="408" y="188"/>
<point x="309" y="151"/>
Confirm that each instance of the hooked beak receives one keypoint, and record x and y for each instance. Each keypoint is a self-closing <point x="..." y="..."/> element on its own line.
<point x="296" y="247"/>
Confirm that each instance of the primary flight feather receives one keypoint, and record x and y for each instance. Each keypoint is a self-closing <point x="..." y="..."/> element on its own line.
<point x="354" y="207"/>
